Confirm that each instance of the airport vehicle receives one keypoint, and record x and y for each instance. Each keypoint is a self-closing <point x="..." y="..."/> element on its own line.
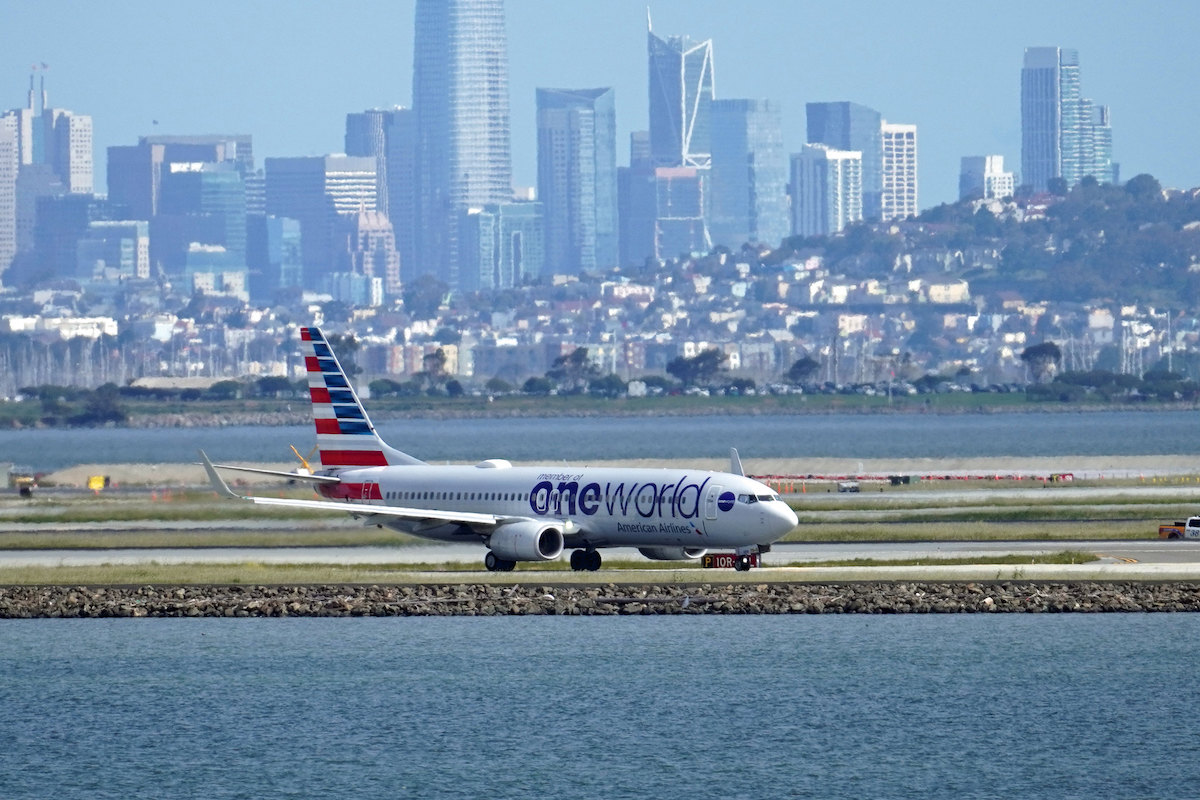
<point x="1181" y="530"/>
<point x="530" y="513"/>
<point x="22" y="479"/>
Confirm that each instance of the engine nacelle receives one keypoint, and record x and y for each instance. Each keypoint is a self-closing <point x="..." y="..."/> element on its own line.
<point x="672" y="553"/>
<point x="527" y="541"/>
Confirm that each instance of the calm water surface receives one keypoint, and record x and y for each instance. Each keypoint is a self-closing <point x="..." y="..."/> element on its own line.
<point x="698" y="707"/>
<point x="582" y="439"/>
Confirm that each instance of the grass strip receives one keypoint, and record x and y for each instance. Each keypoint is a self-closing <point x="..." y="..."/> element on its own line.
<point x="1063" y="557"/>
<point x="986" y="531"/>
<point x="971" y="499"/>
<point x="354" y="535"/>
<point x="255" y="574"/>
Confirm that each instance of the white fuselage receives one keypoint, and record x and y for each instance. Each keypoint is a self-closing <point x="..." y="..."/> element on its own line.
<point x="597" y="507"/>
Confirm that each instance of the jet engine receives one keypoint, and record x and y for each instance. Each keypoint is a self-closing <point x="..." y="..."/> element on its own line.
<point x="671" y="553"/>
<point x="527" y="541"/>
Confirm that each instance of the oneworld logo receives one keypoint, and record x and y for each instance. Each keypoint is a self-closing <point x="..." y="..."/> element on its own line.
<point x="682" y="500"/>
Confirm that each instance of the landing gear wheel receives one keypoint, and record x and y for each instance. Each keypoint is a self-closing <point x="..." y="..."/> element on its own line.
<point x="585" y="560"/>
<point x="742" y="564"/>
<point x="496" y="564"/>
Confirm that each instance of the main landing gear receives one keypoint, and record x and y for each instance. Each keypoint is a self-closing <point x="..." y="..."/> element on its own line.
<point x="585" y="560"/>
<point x="496" y="564"/>
<point x="743" y="563"/>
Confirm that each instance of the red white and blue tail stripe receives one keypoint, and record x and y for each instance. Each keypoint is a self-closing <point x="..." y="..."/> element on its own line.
<point x="345" y="435"/>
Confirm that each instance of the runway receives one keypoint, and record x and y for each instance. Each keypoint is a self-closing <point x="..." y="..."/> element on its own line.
<point x="1137" y="559"/>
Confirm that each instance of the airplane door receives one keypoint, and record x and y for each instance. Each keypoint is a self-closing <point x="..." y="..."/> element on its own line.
<point x="710" y="502"/>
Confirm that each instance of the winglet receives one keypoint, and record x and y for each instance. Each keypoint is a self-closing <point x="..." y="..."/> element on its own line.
<point x="735" y="463"/>
<point x="217" y="481"/>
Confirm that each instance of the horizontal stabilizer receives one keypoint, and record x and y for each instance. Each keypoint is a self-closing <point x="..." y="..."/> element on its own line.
<point x="291" y="476"/>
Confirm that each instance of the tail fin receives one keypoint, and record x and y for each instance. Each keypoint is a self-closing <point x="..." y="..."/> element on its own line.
<point x="345" y="435"/>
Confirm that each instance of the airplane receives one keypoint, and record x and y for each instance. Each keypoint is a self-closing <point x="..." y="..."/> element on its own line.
<point x="520" y="513"/>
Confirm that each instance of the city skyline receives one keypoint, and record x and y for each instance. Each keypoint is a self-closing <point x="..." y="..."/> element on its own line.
<point x="289" y="81"/>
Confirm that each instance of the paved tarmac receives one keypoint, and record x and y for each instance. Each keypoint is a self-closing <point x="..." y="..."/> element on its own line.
<point x="1118" y="560"/>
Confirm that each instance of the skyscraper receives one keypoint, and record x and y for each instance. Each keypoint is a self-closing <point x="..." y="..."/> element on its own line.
<point x="200" y="202"/>
<point x="366" y="137"/>
<point x="366" y="246"/>
<point x="54" y="157"/>
<point x="112" y="250"/>
<point x="460" y="96"/>
<point x="826" y="190"/>
<point x="273" y="256"/>
<point x="389" y="136"/>
<point x="8" y="197"/>
<point x="135" y="172"/>
<point x="1063" y="135"/>
<point x="661" y="213"/>
<point x="898" y="197"/>
<point x="577" y="177"/>
<point x="55" y="137"/>
<point x="400" y="156"/>
<point x="314" y="190"/>
<point x="850" y="126"/>
<point x="748" y="194"/>
<point x="502" y="245"/>
<point x="983" y="177"/>
<point x="681" y="95"/>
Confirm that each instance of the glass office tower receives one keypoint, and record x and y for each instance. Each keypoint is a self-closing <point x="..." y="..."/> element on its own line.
<point x="460" y="97"/>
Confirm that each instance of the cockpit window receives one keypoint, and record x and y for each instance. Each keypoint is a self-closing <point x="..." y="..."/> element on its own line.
<point x="766" y="498"/>
<point x="747" y="499"/>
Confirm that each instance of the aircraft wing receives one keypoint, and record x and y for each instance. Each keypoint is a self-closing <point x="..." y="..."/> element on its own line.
<point x="358" y="509"/>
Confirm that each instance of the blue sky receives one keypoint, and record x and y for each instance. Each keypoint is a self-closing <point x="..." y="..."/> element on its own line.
<point x="288" y="72"/>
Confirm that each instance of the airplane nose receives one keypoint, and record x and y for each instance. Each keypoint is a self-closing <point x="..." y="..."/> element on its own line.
<point x="784" y="519"/>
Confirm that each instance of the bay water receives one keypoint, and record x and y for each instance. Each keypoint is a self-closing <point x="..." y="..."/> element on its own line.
<point x="585" y="439"/>
<point x="1062" y="706"/>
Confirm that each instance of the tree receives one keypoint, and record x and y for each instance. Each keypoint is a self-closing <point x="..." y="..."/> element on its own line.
<point x="274" y="386"/>
<point x="803" y="370"/>
<point x="224" y="390"/>
<point x="423" y="296"/>
<point x="540" y="386"/>
<point x="102" y="406"/>
<point x="1144" y="188"/>
<point x="435" y="364"/>
<point x="608" y="386"/>
<point x="573" y="371"/>
<point x="1043" y="359"/>
<point x="384" y="387"/>
<point x="446" y="335"/>
<point x="699" y="369"/>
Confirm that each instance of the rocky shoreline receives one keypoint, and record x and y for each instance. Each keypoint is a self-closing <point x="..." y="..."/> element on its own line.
<point x="26" y="602"/>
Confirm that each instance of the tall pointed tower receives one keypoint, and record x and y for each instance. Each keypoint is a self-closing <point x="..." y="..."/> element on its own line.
<point x="681" y="95"/>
